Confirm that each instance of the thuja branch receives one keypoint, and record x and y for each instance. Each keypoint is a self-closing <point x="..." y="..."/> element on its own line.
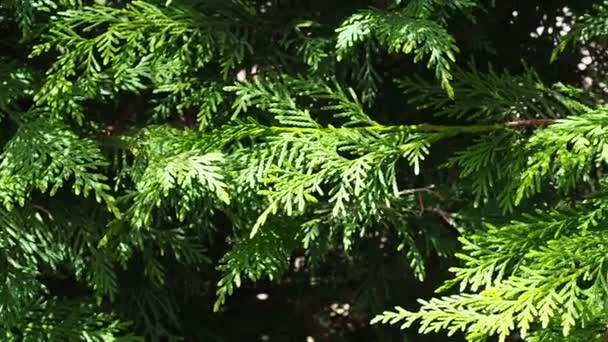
<point x="426" y="128"/>
<point x="251" y="129"/>
<point x="530" y="123"/>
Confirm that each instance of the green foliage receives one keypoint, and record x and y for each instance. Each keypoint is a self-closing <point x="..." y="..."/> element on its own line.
<point x="542" y="276"/>
<point x="490" y="96"/>
<point x="158" y="156"/>
<point x="569" y="151"/>
<point x="27" y="13"/>
<point x="57" y="321"/>
<point x="545" y="270"/>
<point x="266" y="254"/>
<point x="186" y="176"/>
<point x="402" y="32"/>
<point x="16" y="83"/>
<point x="531" y="272"/>
<point x="43" y="156"/>
<point x="534" y="282"/>
<point x="590" y="26"/>
<point x="492" y="175"/>
<point x="105" y="50"/>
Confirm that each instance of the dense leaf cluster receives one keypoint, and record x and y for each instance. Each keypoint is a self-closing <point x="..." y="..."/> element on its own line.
<point x="155" y="153"/>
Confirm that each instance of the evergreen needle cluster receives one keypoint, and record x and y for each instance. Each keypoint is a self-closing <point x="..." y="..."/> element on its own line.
<point x="157" y="152"/>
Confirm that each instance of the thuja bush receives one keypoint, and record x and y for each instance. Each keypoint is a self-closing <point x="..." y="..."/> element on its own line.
<point x="159" y="157"/>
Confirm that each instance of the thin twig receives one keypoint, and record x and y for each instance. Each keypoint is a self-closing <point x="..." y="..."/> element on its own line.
<point x="530" y="123"/>
<point x="427" y="189"/>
